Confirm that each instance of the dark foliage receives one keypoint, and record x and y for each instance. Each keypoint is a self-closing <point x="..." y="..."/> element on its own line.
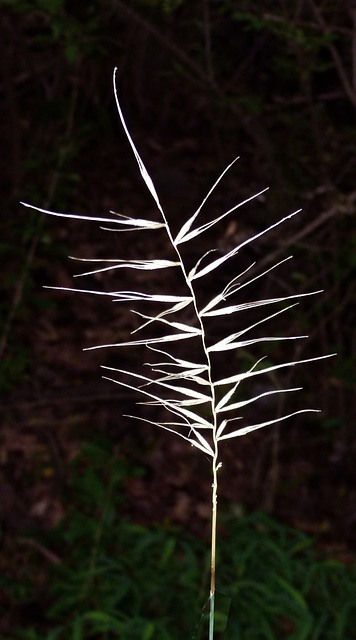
<point x="200" y="83"/>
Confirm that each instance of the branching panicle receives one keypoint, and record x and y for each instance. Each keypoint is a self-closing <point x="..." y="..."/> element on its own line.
<point x="182" y="387"/>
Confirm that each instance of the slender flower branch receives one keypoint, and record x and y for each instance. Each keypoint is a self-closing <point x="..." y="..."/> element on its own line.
<point x="179" y="385"/>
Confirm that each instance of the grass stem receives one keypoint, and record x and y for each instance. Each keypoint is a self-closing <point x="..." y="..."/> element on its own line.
<point x="215" y="468"/>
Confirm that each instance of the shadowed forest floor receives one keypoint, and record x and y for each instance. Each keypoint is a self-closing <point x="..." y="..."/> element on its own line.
<point x="199" y="85"/>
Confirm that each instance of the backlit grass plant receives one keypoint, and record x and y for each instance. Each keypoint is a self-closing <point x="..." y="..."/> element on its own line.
<point x="202" y="406"/>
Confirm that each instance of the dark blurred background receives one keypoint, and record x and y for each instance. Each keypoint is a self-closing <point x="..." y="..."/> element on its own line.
<point x="200" y="83"/>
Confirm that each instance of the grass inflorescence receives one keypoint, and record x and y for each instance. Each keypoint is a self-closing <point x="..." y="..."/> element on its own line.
<point x="201" y="404"/>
